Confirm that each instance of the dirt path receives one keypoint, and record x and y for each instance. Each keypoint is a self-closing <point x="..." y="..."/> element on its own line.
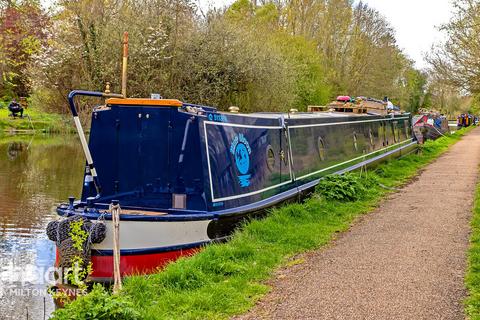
<point x="406" y="260"/>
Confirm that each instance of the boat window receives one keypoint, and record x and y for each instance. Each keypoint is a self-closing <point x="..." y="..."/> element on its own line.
<point x="355" y="145"/>
<point x="321" y="148"/>
<point x="405" y="123"/>
<point x="270" y="158"/>
<point x="370" y="136"/>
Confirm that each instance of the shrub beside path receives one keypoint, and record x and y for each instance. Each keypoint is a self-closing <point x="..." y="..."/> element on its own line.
<point x="405" y="260"/>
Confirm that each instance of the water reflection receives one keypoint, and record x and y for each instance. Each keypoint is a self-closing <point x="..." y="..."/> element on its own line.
<point x="35" y="174"/>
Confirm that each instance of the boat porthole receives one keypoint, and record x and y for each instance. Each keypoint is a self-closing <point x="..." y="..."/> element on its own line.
<point x="270" y="158"/>
<point x="355" y="145"/>
<point x="321" y="148"/>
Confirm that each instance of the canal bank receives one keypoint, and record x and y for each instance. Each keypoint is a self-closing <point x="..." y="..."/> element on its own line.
<point x="33" y="121"/>
<point x="406" y="260"/>
<point x="472" y="279"/>
<point x="227" y="279"/>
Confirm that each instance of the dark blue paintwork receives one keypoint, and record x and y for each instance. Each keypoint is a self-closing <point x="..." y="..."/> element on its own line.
<point x="227" y="165"/>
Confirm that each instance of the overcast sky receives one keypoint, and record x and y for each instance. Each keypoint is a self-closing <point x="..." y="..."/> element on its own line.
<point x="415" y="22"/>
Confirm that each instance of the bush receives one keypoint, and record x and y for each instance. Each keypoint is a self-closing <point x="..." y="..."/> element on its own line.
<point x="347" y="187"/>
<point x="99" y="304"/>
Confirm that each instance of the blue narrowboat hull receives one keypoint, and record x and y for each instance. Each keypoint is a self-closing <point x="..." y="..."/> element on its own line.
<point x="191" y="174"/>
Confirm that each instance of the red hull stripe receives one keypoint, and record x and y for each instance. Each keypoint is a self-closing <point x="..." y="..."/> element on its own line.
<point x="149" y="251"/>
<point x="136" y="264"/>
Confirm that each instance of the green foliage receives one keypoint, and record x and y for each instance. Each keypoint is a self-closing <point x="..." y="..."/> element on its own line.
<point x="347" y="187"/>
<point x="100" y="305"/>
<point x="41" y="121"/>
<point x="227" y="279"/>
<point x="472" y="278"/>
<point x="22" y="35"/>
<point x="269" y="57"/>
<point x="455" y="76"/>
<point x="311" y="87"/>
<point x="416" y="83"/>
<point x="77" y="234"/>
<point x="79" y="269"/>
<point x="77" y="273"/>
<point x="454" y="60"/>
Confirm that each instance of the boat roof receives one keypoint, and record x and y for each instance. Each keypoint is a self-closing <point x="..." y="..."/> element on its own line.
<point x="145" y="102"/>
<point x="268" y="115"/>
<point x="302" y="115"/>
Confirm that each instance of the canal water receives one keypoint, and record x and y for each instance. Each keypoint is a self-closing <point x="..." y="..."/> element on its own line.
<point x="36" y="173"/>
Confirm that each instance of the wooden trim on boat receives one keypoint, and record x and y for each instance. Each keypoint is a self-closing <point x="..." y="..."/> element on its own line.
<point x="145" y="102"/>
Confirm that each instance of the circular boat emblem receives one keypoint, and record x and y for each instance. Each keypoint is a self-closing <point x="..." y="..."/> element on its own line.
<point x="240" y="149"/>
<point x="242" y="159"/>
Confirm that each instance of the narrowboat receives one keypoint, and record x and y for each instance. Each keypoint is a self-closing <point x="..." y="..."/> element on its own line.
<point x="186" y="175"/>
<point x="429" y="126"/>
<point x="465" y="120"/>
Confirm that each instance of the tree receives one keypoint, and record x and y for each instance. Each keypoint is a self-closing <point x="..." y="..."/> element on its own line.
<point x="23" y="33"/>
<point x="458" y="59"/>
<point x="258" y="55"/>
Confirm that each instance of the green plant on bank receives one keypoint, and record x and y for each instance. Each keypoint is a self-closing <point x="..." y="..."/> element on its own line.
<point x="472" y="279"/>
<point x="347" y="187"/>
<point x="227" y="279"/>
<point x="34" y="119"/>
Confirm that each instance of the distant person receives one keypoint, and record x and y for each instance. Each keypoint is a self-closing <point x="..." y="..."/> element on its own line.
<point x="15" y="108"/>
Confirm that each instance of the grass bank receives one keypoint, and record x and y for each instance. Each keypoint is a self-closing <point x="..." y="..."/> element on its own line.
<point x="472" y="279"/>
<point x="43" y="139"/>
<point x="38" y="120"/>
<point x="227" y="279"/>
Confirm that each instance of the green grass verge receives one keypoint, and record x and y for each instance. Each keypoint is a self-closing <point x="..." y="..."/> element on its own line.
<point x="41" y="121"/>
<point x="227" y="279"/>
<point x="472" y="279"/>
<point x="39" y="139"/>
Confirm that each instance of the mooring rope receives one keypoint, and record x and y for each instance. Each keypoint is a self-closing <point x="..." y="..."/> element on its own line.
<point x="117" y="280"/>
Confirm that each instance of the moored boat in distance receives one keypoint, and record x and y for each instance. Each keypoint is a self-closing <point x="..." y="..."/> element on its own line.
<point x="429" y="125"/>
<point x="186" y="175"/>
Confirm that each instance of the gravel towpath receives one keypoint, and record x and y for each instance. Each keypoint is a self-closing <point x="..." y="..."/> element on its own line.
<point x="405" y="260"/>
